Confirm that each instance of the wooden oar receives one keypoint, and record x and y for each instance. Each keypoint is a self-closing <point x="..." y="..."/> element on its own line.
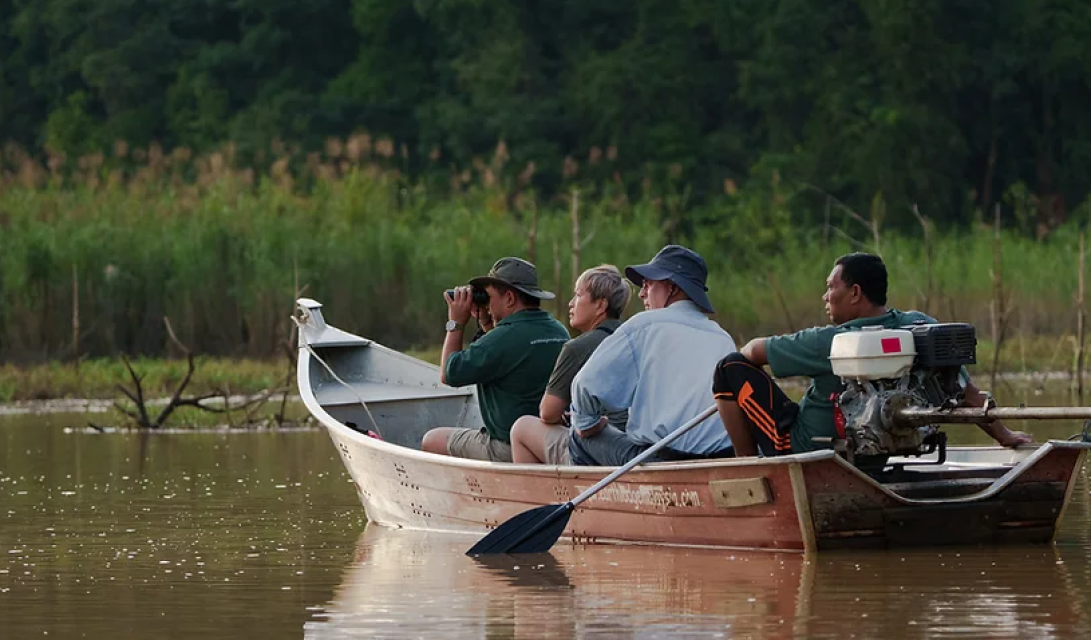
<point x="536" y="530"/>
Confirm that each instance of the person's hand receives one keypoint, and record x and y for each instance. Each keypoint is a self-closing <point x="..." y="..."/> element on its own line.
<point x="458" y="307"/>
<point x="593" y="431"/>
<point x="483" y="317"/>
<point x="1008" y="438"/>
<point x="1005" y="436"/>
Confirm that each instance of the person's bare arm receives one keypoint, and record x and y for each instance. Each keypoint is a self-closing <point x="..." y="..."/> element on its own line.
<point x="458" y="309"/>
<point x="996" y="429"/>
<point x="451" y="344"/>
<point x="551" y="409"/>
<point x="754" y="351"/>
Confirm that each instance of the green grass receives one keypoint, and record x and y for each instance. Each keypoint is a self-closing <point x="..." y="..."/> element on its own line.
<point x="98" y="379"/>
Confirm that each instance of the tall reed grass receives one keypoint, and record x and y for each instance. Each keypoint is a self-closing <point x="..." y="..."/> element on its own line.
<point x="223" y="251"/>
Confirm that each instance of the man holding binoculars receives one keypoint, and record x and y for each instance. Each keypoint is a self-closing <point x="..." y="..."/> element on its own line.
<point x="510" y="364"/>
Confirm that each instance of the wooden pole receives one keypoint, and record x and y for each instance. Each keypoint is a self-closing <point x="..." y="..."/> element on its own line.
<point x="532" y="234"/>
<point x="783" y="303"/>
<point x="1080" y="322"/>
<point x="996" y="306"/>
<point x="557" y="278"/>
<point x="917" y="416"/>
<point x="826" y="227"/>
<point x="76" y="316"/>
<point x="928" y="279"/>
<point x="575" y="235"/>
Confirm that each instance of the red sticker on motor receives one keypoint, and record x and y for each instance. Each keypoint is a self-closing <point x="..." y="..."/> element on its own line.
<point x="891" y="345"/>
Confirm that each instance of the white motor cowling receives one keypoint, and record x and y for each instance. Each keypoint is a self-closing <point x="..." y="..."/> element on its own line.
<point x="873" y="353"/>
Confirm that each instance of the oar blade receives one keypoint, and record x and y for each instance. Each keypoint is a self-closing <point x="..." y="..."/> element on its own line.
<point x="532" y="531"/>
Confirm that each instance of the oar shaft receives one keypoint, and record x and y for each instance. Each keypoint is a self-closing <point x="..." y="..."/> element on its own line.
<point x="644" y="455"/>
<point x="921" y="416"/>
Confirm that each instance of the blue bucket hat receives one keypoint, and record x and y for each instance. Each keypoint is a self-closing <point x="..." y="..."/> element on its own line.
<point x="684" y="267"/>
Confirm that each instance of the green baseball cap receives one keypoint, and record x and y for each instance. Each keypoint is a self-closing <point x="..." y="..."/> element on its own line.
<point x="515" y="273"/>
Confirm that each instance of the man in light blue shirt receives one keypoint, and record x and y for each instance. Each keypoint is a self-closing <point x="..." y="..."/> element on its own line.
<point x="659" y="366"/>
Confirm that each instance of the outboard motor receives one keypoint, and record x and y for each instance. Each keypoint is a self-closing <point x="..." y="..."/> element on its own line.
<point x="885" y="370"/>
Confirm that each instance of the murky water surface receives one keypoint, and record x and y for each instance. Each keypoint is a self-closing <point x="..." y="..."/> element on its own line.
<point x="260" y="536"/>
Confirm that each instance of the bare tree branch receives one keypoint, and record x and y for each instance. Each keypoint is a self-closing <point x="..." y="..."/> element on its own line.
<point x="136" y="395"/>
<point x="871" y="225"/>
<point x="177" y="397"/>
<point x="128" y="393"/>
<point x="174" y="337"/>
<point x="852" y="241"/>
<point x="131" y="414"/>
<point x="196" y="402"/>
<point x="138" y="398"/>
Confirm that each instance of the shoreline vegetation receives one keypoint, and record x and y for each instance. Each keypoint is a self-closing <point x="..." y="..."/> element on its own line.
<point x="101" y="261"/>
<point x="95" y="253"/>
<point x="1047" y="359"/>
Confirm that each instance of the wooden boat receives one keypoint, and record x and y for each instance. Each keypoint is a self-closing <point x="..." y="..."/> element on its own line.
<point x="801" y="502"/>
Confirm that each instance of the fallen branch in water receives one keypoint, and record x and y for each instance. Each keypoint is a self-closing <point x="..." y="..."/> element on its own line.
<point x="140" y="414"/>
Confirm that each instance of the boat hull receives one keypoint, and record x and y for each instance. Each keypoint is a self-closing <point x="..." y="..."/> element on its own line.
<point x="802" y="502"/>
<point x="794" y="503"/>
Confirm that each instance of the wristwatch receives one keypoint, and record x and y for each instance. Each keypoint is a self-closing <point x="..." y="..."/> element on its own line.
<point x="453" y="326"/>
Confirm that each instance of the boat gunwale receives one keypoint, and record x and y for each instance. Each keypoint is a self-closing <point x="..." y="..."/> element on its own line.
<point x="569" y="471"/>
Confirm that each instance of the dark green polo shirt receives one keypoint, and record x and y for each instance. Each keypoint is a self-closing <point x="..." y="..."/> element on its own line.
<point x="807" y="353"/>
<point x="510" y="366"/>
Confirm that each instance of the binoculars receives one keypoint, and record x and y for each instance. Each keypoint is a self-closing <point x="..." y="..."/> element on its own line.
<point x="480" y="296"/>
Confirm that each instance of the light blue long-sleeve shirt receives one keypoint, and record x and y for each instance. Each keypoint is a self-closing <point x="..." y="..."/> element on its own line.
<point x="659" y="365"/>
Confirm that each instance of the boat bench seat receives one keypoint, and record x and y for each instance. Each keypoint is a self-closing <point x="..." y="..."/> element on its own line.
<point x="333" y="393"/>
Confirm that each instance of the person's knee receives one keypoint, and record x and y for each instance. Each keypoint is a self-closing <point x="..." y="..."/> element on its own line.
<point x="725" y="379"/>
<point x="523" y="427"/>
<point x="435" y="441"/>
<point x="735" y="357"/>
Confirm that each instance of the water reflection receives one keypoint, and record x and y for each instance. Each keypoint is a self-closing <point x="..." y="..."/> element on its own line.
<point x="406" y="584"/>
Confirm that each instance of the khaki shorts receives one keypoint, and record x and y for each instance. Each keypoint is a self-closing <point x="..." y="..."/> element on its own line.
<point x="556" y="445"/>
<point x="477" y="445"/>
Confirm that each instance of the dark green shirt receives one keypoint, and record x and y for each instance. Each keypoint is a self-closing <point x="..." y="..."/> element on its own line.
<point x="573" y="356"/>
<point x="807" y="353"/>
<point x="510" y="366"/>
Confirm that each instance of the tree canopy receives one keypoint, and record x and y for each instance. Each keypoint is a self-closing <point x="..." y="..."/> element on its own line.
<point x="951" y="105"/>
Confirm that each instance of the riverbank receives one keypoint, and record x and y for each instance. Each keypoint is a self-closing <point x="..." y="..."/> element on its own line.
<point x="68" y="386"/>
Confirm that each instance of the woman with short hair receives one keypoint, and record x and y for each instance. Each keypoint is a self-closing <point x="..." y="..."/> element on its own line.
<point x="600" y="297"/>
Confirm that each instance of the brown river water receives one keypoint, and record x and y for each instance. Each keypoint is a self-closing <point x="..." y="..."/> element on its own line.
<point x="260" y="535"/>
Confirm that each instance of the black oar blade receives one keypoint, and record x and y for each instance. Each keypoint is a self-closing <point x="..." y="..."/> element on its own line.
<point x="532" y="531"/>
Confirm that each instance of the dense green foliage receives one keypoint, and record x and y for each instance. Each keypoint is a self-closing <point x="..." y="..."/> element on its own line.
<point x="952" y="105"/>
<point x="223" y="257"/>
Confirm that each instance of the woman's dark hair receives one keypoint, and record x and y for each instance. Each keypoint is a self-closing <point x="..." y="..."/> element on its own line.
<point x="866" y="271"/>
